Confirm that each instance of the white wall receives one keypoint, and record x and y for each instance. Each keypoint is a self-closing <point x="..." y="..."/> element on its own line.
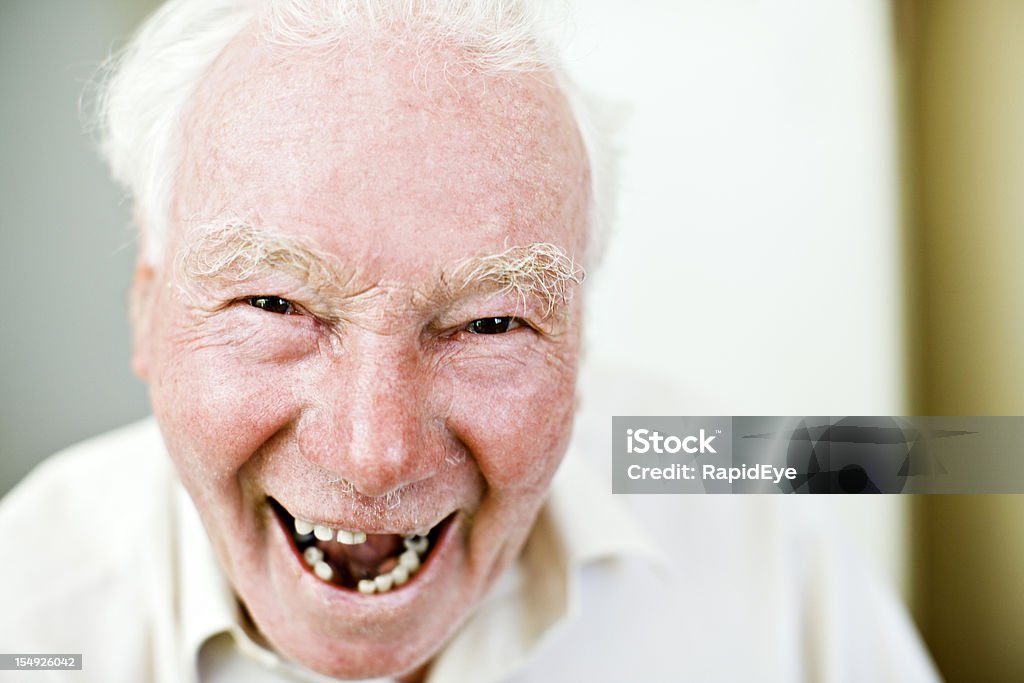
<point x="756" y="265"/>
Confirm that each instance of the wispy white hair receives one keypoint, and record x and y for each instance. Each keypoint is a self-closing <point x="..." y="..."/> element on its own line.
<point x="147" y="86"/>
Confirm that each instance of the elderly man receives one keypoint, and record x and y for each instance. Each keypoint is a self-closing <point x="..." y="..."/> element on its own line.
<point x="357" y="308"/>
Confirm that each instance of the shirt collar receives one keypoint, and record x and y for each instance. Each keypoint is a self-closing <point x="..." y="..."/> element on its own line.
<point x="208" y="605"/>
<point x="580" y="523"/>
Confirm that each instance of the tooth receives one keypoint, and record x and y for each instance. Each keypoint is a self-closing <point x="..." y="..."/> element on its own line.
<point x="418" y="544"/>
<point x="302" y="527"/>
<point x="366" y="586"/>
<point x="312" y="555"/>
<point x="324" y="533"/>
<point x="410" y="560"/>
<point x="351" y="537"/>
<point x="323" y="570"/>
<point x="383" y="582"/>
<point x="400" y="575"/>
<point x="422" y="532"/>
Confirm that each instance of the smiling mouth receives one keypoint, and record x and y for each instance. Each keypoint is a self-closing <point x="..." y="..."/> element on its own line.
<point x="356" y="560"/>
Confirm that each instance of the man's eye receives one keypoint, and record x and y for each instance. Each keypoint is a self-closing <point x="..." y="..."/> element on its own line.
<point x="494" y="325"/>
<point x="272" y="304"/>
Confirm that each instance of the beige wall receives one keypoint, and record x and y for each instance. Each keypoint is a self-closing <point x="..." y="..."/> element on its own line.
<point x="971" y="605"/>
<point x="972" y="237"/>
<point x="965" y="124"/>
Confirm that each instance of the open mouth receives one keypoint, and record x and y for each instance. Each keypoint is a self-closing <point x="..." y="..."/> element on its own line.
<point x="357" y="560"/>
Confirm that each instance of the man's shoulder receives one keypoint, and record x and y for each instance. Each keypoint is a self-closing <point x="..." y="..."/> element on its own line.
<point x="70" y="529"/>
<point x="109" y="477"/>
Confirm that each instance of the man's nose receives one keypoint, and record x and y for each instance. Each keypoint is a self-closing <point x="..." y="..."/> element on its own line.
<point x="374" y="420"/>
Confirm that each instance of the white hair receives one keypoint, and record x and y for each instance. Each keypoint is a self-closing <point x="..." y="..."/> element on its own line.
<point x="145" y="94"/>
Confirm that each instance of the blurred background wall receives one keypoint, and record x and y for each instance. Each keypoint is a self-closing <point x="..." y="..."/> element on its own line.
<point x="962" y="70"/>
<point x="67" y="249"/>
<point x="818" y="216"/>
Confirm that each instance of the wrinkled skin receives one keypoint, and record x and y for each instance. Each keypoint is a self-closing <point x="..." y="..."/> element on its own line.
<point x="396" y="172"/>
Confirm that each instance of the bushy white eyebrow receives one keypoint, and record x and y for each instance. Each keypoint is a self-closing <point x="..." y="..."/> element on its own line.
<point x="540" y="270"/>
<point x="234" y="250"/>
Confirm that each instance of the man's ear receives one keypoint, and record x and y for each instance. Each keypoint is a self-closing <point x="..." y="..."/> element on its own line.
<point x="143" y="291"/>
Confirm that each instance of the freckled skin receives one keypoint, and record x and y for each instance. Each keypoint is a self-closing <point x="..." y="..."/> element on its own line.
<point x="398" y="173"/>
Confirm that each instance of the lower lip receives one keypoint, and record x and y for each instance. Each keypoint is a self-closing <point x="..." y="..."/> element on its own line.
<point x="438" y="562"/>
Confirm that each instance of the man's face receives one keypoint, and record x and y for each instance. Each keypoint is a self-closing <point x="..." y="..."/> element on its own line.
<point x="356" y="356"/>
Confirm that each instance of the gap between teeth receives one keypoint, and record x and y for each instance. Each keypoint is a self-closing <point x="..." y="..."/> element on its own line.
<point x="406" y="564"/>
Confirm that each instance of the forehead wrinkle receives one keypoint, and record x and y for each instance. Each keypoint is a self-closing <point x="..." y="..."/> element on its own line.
<point x="539" y="270"/>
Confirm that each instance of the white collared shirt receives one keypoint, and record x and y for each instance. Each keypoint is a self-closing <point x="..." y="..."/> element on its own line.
<point x="105" y="556"/>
